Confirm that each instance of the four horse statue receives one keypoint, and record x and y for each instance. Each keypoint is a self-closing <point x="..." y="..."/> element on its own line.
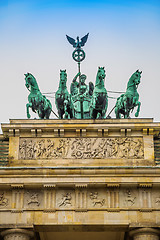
<point x="37" y="102"/>
<point x="62" y="98"/>
<point x="84" y="101"/>
<point x="129" y="100"/>
<point x="100" y="98"/>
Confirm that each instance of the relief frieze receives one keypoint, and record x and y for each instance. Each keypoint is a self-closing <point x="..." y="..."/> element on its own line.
<point x="81" y="148"/>
<point x="91" y="198"/>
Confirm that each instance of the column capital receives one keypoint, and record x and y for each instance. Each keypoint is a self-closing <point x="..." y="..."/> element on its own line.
<point x="144" y="231"/>
<point x="11" y="233"/>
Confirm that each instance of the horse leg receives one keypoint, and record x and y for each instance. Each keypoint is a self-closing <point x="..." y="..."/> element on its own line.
<point x="28" y="105"/>
<point x="117" y="113"/>
<point x="94" y="114"/>
<point x="47" y="113"/>
<point x="99" y="115"/>
<point x="41" y="114"/>
<point x="127" y="114"/>
<point x="60" y="114"/>
<point x="70" y="113"/>
<point x="125" y="109"/>
<point x="138" y="109"/>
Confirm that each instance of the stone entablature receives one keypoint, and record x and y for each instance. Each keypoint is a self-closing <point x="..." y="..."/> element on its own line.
<point x="111" y="142"/>
<point x="81" y="172"/>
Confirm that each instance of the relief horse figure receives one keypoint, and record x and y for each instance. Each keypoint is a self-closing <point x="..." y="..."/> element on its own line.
<point x="100" y="97"/>
<point x="62" y="98"/>
<point x="129" y="100"/>
<point x="37" y="102"/>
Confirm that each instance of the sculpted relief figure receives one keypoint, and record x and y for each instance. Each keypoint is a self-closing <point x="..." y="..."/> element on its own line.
<point x="33" y="198"/>
<point x="130" y="200"/>
<point x="66" y="200"/>
<point x="26" y="149"/>
<point x="39" y="148"/>
<point x="157" y="200"/>
<point x="82" y="148"/>
<point x="96" y="200"/>
<point x="49" y="148"/>
<point x="3" y="200"/>
<point x="22" y="149"/>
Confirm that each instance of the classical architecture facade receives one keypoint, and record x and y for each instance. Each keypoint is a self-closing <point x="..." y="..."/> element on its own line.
<point x="67" y="179"/>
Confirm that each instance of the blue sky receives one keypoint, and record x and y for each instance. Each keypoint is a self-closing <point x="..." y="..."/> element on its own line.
<point x="124" y="36"/>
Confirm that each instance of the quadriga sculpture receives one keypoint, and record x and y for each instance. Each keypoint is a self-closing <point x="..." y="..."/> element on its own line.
<point x="37" y="102"/>
<point x="99" y="102"/>
<point x="129" y="100"/>
<point x="62" y="98"/>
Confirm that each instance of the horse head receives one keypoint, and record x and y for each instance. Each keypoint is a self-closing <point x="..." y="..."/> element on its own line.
<point x="30" y="81"/>
<point x="100" y="76"/>
<point x="63" y="79"/>
<point x="136" y="77"/>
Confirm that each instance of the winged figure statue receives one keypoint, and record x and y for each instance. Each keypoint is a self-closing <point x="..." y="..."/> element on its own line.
<point x="78" y="43"/>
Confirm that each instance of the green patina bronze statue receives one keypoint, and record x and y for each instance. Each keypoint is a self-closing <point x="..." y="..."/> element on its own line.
<point x="99" y="102"/>
<point x="81" y="95"/>
<point x="84" y="101"/>
<point x="37" y="102"/>
<point x="63" y="98"/>
<point x="129" y="100"/>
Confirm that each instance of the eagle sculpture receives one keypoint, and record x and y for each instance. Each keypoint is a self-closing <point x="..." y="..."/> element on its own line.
<point x="78" y="44"/>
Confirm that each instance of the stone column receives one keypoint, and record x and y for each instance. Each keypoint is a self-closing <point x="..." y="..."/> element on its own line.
<point x="17" y="234"/>
<point x="145" y="234"/>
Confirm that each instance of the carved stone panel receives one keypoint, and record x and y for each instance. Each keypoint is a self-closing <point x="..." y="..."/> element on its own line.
<point x="81" y="148"/>
<point x="33" y="199"/>
<point x="4" y="200"/>
<point x="129" y="198"/>
<point x="65" y="199"/>
<point x="97" y="198"/>
<point x="156" y="197"/>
